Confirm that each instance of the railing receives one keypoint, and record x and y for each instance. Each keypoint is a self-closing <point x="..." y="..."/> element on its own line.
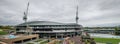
<point x="51" y="31"/>
<point x="55" y="27"/>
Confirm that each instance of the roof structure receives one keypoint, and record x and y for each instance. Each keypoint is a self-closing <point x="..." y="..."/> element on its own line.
<point x="45" y="23"/>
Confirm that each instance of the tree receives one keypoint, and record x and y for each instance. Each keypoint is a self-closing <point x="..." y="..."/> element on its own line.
<point x="6" y="28"/>
<point x="117" y="31"/>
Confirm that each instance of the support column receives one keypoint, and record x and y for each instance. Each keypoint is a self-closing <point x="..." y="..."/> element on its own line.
<point x="31" y="39"/>
<point x="56" y="35"/>
<point x="22" y="41"/>
<point x="62" y="36"/>
<point x="71" y="34"/>
<point x="37" y="36"/>
<point x="49" y="36"/>
<point x="74" y="34"/>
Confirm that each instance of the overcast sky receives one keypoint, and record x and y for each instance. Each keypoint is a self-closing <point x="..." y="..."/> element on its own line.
<point x="91" y="12"/>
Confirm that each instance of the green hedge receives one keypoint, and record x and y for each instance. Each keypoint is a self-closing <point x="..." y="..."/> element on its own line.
<point x="30" y="43"/>
<point x="3" y="33"/>
<point x="38" y="40"/>
<point x="45" y="42"/>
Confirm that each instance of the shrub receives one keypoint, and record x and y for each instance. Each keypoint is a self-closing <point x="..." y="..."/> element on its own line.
<point x="30" y="43"/>
<point x="3" y="33"/>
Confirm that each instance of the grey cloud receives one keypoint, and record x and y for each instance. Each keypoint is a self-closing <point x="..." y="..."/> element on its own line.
<point x="90" y="11"/>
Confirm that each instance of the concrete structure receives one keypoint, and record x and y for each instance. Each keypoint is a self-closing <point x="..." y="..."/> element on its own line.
<point x="48" y="29"/>
<point x="103" y="31"/>
<point x="20" y="39"/>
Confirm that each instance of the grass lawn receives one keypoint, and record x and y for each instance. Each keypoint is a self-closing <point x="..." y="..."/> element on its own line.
<point x="106" y="40"/>
<point x="38" y="40"/>
<point x="3" y="33"/>
<point x="45" y="42"/>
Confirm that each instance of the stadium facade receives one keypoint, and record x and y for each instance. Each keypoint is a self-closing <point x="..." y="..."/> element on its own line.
<point x="48" y="29"/>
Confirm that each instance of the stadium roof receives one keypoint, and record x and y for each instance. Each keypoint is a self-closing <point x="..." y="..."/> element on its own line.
<point x="45" y="23"/>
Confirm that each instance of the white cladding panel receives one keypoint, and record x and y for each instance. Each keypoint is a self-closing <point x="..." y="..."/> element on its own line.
<point x="63" y="30"/>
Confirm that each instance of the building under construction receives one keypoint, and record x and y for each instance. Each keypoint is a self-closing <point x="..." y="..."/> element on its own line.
<point x="48" y="28"/>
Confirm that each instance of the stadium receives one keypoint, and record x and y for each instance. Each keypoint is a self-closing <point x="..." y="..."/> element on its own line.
<point x="48" y="29"/>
